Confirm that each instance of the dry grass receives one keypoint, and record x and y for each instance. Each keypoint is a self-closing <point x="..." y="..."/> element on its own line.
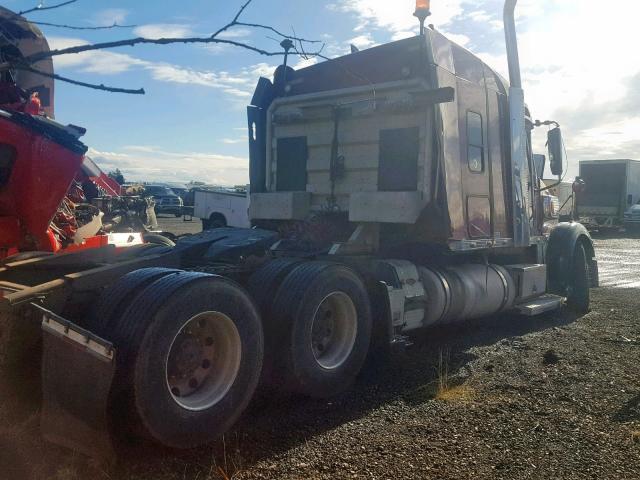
<point x="457" y="393"/>
<point x="231" y="465"/>
<point x="448" y="390"/>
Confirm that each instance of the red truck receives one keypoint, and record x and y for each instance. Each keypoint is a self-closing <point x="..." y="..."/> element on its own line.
<point x="392" y="190"/>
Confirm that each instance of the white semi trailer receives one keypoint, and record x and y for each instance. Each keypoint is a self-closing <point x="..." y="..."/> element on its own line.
<point x="611" y="188"/>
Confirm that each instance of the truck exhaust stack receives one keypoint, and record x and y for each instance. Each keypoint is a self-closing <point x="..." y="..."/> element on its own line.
<point x="512" y="43"/>
<point x="521" y="225"/>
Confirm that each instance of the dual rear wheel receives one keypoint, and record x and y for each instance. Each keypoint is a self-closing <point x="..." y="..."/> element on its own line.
<point x="189" y="353"/>
<point x="190" y="345"/>
<point x="319" y="329"/>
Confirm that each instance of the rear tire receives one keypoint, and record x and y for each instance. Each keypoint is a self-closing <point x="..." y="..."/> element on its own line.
<point x="325" y="331"/>
<point x="216" y="220"/>
<point x="578" y="295"/>
<point x="157" y="239"/>
<point x="187" y="390"/>
<point x="263" y="287"/>
<point x="264" y="283"/>
<point x="117" y="297"/>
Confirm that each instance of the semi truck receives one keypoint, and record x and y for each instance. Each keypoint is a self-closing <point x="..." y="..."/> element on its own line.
<point x="611" y="188"/>
<point x="392" y="190"/>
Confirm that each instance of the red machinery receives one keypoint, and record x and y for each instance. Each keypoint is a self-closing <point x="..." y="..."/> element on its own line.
<point x="39" y="159"/>
<point x="46" y="183"/>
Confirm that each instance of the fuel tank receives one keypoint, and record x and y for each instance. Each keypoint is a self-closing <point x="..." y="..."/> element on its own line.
<point x="459" y="293"/>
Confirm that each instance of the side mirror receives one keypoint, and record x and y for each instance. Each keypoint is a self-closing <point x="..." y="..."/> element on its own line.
<point x="539" y="162"/>
<point x="556" y="151"/>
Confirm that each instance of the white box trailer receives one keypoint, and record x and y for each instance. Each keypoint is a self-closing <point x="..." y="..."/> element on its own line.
<point x="612" y="188"/>
<point x="563" y="191"/>
<point x="222" y="208"/>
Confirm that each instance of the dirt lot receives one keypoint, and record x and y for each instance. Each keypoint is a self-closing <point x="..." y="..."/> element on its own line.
<point x="179" y="226"/>
<point x="509" y="398"/>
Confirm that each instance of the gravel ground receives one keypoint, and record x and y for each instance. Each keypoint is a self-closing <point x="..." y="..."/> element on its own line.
<point x="179" y="226"/>
<point x="508" y="398"/>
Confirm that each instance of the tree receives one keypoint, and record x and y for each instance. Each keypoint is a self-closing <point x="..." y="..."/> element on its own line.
<point x="117" y="176"/>
<point x="289" y="42"/>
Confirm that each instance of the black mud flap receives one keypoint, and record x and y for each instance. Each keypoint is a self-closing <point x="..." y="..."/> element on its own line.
<point x="77" y="371"/>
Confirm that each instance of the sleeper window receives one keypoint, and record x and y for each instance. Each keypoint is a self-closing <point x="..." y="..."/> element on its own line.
<point x="291" y="164"/>
<point x="399" y="152"/>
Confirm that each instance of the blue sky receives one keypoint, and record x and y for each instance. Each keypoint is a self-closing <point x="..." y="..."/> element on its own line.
<point x="191" y="123"/>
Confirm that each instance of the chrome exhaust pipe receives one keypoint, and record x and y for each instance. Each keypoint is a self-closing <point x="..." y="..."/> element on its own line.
<point x="518" y="138"/>
<point x="512" y="43"/>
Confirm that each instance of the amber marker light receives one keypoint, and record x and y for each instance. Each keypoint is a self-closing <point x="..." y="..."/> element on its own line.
<point x="423" y="5"/>
<point x="423" y="10"/>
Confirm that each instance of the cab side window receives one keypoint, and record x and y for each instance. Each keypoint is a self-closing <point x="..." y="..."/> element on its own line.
<point x="475" y="142"/>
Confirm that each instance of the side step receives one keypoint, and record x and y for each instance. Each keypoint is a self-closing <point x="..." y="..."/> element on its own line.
<point x="543" y="304"/>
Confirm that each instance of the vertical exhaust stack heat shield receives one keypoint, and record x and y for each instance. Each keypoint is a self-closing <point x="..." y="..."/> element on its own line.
<point x="521" y="232"/>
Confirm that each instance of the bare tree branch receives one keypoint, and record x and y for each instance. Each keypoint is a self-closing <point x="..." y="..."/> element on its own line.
<point x="36" y="57"/>
<point x="40" y="7"/>
<point x="267" y="27"/>
<point x="303" y="54"/>
<point x="234" y="21"/>
<point x="27" y="62"/>
<point x="73" y="27"/>
<point x="102" y="87"/>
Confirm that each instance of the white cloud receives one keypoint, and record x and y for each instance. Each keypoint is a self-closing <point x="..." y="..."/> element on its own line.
<point x="362" y="41"/>
<point x="102" y="62"/>
<point x="149" y="163"/>
<point x="163" y="30"/>
<point x="302" y="63"/>
<point x="234" y="141"/>
<point x="238" y="85"/>
<point x="396" y="16"/>
<point x="459" y="38"/>
<point x="109" y="16"/>
<point x="479" y="16"/>
<point x="584" y="81"/>
<point x="235" y="33"/>
<point x="399" y="35"/>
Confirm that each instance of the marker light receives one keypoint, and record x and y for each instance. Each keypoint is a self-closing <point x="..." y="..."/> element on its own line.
<point x="423" y="10"/>
<point x="423" y="5"/>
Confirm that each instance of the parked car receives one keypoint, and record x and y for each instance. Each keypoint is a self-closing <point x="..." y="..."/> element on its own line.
<point x="166" y="199"/>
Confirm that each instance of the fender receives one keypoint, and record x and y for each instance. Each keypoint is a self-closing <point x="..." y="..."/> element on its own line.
<point x="559" y="255"/>
<point x="382" y="335"/>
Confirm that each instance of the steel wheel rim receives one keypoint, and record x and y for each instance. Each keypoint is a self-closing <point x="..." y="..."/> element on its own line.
<point x="203" y="361"/>
<point x="334" y="330"/>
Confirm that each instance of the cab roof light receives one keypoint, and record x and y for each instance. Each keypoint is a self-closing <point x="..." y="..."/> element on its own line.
<point x="423" y="10"/>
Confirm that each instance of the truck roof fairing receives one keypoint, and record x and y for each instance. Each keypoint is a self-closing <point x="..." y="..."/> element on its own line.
<point x="391" y="62"/>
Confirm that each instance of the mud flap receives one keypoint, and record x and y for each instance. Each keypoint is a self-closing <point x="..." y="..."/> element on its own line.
<point x="77" y="371"/>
